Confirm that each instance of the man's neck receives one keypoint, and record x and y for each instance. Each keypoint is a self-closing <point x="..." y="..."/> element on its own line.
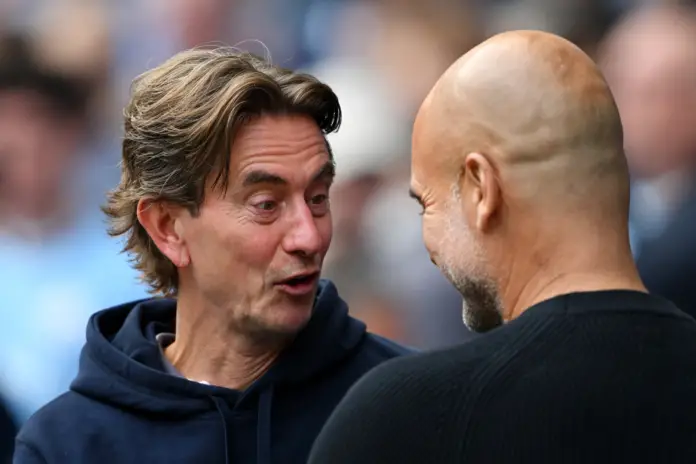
<point x="209" y="350"/>
<point x="582" y="270"/>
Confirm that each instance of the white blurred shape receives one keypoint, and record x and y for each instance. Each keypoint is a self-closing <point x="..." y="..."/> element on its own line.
<point x="373" y="134"/>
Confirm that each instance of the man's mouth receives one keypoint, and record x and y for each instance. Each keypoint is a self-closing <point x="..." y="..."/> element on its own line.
<point x="299" y="284"/>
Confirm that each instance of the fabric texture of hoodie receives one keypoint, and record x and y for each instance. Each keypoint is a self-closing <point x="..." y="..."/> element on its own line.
<point x="124" y="408"/>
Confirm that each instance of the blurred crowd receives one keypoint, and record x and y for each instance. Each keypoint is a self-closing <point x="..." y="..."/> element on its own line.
<point x="65" y="70"/>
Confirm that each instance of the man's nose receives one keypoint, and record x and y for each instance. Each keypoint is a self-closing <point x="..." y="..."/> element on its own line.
<point x="303" y="236"/>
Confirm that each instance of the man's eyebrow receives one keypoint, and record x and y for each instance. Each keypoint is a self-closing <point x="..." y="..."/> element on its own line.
<point x="262" y="177"/>
<point x="412" y="193"/>
<point x="326" y="172"/>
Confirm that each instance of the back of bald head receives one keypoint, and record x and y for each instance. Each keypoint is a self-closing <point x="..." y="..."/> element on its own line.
<point x="539" y="109"/>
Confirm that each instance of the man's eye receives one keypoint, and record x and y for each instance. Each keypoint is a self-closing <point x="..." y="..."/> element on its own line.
<point x="319" y="199"/>
<point x="319" y="205"/>
<point x="267" y="205"/>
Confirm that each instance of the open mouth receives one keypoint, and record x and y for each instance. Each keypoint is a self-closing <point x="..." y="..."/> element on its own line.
<point x="300" y="280"/>
<point x="299" y="284"/>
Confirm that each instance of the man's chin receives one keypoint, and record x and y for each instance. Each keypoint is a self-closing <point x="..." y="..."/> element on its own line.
<point x="287" y="319"/>
<point x="282" y="317"/>
<point x="481" y="319"/>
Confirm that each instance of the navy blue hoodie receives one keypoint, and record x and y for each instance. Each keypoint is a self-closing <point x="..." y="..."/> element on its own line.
<point x="124" y="408"/>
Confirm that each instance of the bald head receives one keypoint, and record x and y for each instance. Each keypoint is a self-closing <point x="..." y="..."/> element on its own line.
<point x="535" y="106"/>
<point x="516" y="149"/>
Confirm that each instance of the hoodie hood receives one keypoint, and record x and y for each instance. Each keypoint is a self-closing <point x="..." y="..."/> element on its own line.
<point x="121" y="363"/>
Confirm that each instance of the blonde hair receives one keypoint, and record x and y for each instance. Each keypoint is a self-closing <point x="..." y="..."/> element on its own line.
<point x="180" y="125"/>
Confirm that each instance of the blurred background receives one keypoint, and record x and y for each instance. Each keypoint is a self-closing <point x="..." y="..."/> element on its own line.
<point x="65" y="70"/>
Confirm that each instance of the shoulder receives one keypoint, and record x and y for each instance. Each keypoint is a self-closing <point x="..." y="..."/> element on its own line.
<point x="405" y="374"/>
<point x="56" y="422"/>
<point x="395" y="387"/>
<point x="403" y="409"/>
<point x="380" y="419"/>
<point x="406" y="369"/>
<point x="64" y="429"/>
<point x="401" y="380"/>
<point x="407" y="380"/>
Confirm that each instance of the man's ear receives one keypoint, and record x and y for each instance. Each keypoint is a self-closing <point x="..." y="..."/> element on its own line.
<point x="163" y="224"/>
<point x="481" y="189"/>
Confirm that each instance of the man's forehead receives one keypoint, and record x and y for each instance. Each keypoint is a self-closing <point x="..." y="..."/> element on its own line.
<point x="430" y="142"/>
<point x="419" y="154"/>
<point x="424" y="166"/>
<point x="277" y="149"/>
<point x="423" y="136"/>
<point x="274" y="133"/>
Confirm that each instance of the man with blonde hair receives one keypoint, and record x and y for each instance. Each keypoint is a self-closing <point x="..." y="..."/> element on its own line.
<point x="224" y="201"/>
<point x="518" y="165"/>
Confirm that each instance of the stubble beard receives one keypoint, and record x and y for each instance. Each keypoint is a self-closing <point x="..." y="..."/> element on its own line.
<point x="481" y="306"/>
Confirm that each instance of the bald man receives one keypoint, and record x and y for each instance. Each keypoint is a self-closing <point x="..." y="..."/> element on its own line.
<point x="519" y="167"/>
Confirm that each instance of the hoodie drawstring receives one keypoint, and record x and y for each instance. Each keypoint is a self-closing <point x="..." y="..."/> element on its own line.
<point x="220" y="405"/>
<point x="263" y="431"/>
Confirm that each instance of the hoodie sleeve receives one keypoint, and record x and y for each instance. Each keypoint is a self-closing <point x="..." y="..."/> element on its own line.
<point x="27" y="454"/>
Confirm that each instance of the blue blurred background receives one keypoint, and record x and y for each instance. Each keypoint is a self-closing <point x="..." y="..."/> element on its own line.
<point x="65" y="70"/>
